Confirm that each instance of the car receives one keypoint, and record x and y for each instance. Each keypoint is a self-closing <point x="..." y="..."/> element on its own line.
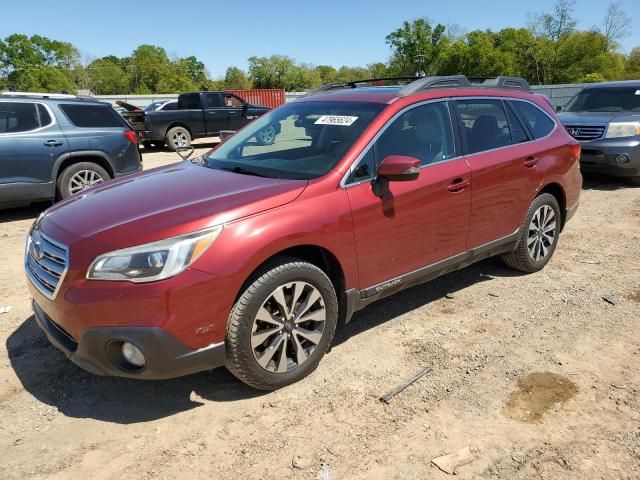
<point x="605" y="118"/>
<point x="197" y="115"/>
<point x="251" y="255"/>
<point x="52" y="146"/>
<point x="161" y="106"/>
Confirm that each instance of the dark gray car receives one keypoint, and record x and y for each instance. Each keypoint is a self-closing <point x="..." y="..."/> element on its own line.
<point x="52" y="146"/>
<point x="605" y="118"/>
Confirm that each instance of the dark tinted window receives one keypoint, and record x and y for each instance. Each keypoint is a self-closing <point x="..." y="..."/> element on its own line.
<point x="518" y="134"/>
<point x="423" y="132"/>
<point x="45" y="118"/>
<point x="170" y="106"/>
<point x="212" y="100"/>
<point x="606" y="99"/>
<point x="18" y="117"/>
<point x="484" y="124"/>
<point x="91" y="116"/>
<point x="189" y="101"/>
<point x="232" y="101"/>
<point x="539" y="123"/>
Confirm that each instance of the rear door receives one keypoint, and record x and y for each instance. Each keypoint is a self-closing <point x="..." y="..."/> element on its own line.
<point x="414" y="223"/>
<point x="30" y="142"/>
<point x="504" y="167"/>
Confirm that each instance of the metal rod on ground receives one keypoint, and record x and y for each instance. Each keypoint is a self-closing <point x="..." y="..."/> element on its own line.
<point x="392" y="393"/>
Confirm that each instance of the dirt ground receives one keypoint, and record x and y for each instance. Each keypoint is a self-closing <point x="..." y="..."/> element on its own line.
<point x="538" y="375"/>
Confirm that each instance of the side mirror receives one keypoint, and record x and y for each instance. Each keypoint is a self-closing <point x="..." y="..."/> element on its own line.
<point x="558" y="108"/>
<point x="399" y="168"/>
<point x="225" y="135"/>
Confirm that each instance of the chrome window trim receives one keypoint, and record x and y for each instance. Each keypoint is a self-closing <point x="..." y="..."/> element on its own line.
<point x="344" y="184"/>
<point x="365" y="151"/>
<point x="34" y="282"/>
<point x="29" y="132"/>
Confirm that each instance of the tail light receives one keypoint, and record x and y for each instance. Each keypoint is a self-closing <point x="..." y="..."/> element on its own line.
<point x="575" y="149"/>
<point x="132" y="136"/>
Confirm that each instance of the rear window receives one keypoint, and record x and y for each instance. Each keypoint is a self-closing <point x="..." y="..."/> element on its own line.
<point x="539" y="123"/>
<point x="92" y="116"/>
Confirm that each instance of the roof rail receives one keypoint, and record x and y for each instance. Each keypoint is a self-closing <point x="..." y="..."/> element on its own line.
<point x="451" y="81"/>
<point x="355" y="83"/>
<point x="513" y="83"/>
<point x="37" y="94"/>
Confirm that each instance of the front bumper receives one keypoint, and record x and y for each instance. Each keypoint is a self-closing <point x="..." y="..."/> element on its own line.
<point x="602" y="156"/>
<point x="98" y="350"/>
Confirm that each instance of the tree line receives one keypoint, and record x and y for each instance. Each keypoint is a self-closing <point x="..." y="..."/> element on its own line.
<point x="549" y="50"/>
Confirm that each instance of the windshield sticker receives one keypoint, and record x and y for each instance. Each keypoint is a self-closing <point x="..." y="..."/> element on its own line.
<point x="341" y="120"/>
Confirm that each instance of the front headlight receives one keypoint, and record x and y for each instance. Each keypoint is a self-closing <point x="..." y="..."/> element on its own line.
<point x="623" y="129"/>
<point x="153" y="261"/>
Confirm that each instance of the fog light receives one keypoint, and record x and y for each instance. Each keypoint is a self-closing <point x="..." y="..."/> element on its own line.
<point x="622" y="159"/>
<point x="133" y="355"/>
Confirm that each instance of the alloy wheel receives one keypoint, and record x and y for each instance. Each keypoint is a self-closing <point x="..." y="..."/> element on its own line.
<point x="179" y="139"/>
<point x="84" y="179"/>
<point x="542" y="233"/>
<point x="288" y="327"/>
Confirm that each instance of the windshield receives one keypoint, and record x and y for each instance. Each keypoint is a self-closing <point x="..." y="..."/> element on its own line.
<point x="300" y="140"/>
<point x="152" y="106"/>
<point x="606" y="99"/>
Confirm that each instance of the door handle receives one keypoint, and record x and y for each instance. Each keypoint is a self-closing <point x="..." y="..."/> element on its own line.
<point x="211" y="113"/>
<point x="52" y="143"/>
<point x="458" y="185"/>
<point x="531" y="162"/>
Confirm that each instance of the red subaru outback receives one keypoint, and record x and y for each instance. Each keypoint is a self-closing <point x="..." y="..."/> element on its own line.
<point x="251" y="256"/>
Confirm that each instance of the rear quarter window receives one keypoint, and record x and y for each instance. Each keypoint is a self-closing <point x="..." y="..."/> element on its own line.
<point x="539" y="122"/>
<point x="92" y="116"/>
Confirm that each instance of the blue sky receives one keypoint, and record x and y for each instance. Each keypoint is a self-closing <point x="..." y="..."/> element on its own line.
<point x="227" y="33"/>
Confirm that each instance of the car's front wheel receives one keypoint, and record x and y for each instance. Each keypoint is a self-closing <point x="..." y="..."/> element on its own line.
<point x="282" y="325"/>
<point x="538" y="237"/>
<point x="266" y="136"/>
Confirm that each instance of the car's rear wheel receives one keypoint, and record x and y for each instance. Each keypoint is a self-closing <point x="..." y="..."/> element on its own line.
<point x="178" y="137"/>
<point x="80" y="176"/>
<point x="282" y="325"/>
<point x="539" y="236"/>
<point x="266" y="136"/>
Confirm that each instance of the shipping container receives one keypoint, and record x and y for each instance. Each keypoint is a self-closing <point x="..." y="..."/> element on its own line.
<point x="268" y="97"/>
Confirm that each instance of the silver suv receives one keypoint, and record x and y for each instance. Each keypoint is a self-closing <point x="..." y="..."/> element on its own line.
<point x="52" y="146"/>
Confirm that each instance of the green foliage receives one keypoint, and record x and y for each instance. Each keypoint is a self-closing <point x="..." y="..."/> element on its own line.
<point x="550" y="50"/>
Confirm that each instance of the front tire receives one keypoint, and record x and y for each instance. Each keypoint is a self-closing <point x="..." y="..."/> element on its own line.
<point x="266" y="136"/>
<point x="79" y="176"/>
<point x="539" y="236"/>
<point x="178" y="137"/>
<point x="282" y="325"/>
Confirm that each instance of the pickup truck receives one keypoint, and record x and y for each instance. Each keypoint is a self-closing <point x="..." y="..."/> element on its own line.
<point x="198" y="115"/>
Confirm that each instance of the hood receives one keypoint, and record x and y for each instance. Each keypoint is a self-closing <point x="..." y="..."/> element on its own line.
<point x="596" y="118"/>
<point x="168" y="201"/>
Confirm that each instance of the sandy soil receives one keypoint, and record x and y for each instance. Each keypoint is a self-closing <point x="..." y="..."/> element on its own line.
<point x="537" y="374"/>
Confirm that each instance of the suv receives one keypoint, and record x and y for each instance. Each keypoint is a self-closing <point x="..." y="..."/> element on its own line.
<point x="251" y="255"/>
<point x="605" y="118"/>
<point x="52" y="146"/>
<point x="196" y="115"/>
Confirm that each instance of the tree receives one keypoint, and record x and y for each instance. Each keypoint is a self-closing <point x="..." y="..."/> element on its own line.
<point x="616" y="25"/>
<point x="148" y="64"/>
<point x="107" y="76"/>
<point x="236" y="79"/>
<point x="632" y="64"/>
<point x="194" y="69"/>
<point x="416" y="47"/>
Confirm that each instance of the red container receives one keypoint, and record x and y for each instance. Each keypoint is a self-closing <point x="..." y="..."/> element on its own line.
<point x="267" y="97"/>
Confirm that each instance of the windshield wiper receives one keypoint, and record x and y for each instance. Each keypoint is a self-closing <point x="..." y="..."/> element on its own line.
<point x="244" y="171"/>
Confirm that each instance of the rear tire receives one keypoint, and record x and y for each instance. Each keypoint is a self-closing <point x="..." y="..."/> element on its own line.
<point x="178" y="137"/>
<point x="79" y="176"/>
<point x="269" y="344"/>
<point x="539" y="236"/>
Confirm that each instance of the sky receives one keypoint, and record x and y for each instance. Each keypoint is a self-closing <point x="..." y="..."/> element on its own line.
<point x="220" y="34"/>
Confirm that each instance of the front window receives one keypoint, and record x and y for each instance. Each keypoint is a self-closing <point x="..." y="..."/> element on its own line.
<point x="606" y="99"/>
<point x="300" y="140"/>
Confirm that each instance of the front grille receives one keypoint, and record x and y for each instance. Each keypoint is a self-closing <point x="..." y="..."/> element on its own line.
<point x="46" y="262"/>
<point x="585" y="132"/>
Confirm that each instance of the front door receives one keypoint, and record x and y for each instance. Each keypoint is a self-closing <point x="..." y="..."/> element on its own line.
<point x="236" y="110"/>
<point x="215" y="113"/>
<point x="30" y="142"/>
<point x="414" y="223"/>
